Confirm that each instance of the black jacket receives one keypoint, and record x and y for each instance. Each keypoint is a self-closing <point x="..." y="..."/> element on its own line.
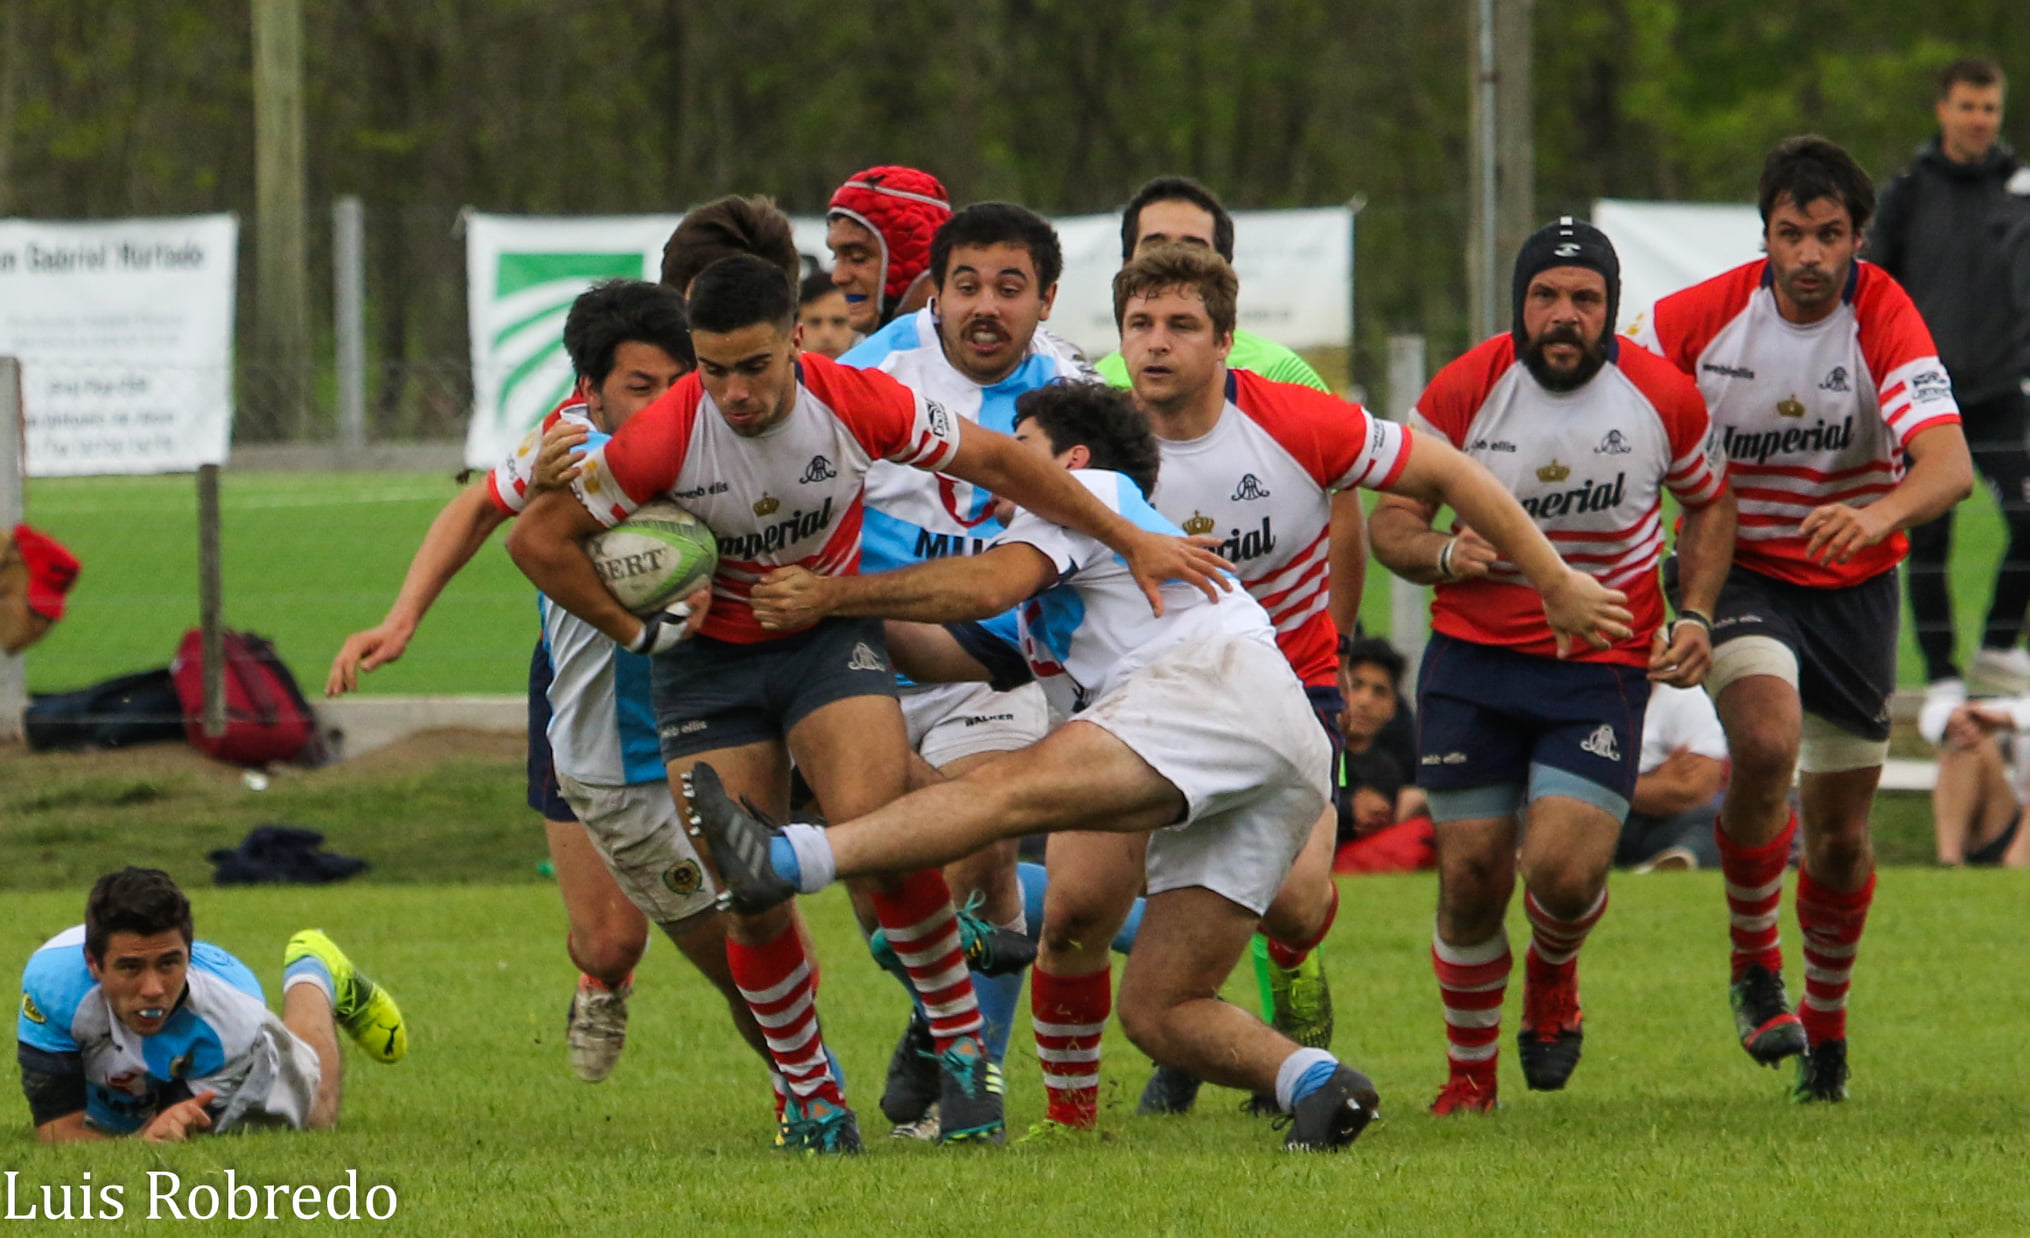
<point x="1946" y="231"/>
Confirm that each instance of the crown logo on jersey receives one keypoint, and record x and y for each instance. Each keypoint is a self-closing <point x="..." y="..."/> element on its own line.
<point x="1199" y="524"/>
<point x="1554" y="472"/>
<point x="767" y="504"/>
<point x="1789" y="407"/>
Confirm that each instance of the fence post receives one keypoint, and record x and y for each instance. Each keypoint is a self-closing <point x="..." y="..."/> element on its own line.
<point x="348" y="257"/>
<point x="1409" y="605"/>
<point x="13" y="667"/>
<point x="210" y="600"/>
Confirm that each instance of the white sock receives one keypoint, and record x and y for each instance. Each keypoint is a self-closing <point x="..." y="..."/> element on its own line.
<point x="1293" y="1069"/>
<point x="815" y="867"/>
<point x="318" y="979"/>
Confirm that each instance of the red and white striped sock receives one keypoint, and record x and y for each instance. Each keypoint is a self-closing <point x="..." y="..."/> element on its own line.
<point x="1554" y="943"/>
<point x="924" y="930"/>
<point x="1472" y="980"/>
<point x="1754" y="877"/>
<point x="775" y="981"/>
<point x="1831" y="921"/>
<point x="1069" y="1014"/>
<point x="1290" y="957"/>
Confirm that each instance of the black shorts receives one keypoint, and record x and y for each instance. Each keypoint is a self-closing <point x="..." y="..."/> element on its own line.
<point x="1844" y="639"/>
<point x="712" y="694"/>
<point x="544" y="794"/>
<point x="1328" y="704"/>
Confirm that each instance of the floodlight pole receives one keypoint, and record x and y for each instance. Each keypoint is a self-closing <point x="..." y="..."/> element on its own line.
<point x="1502" y="153"/>
<point x="13" y="667"/>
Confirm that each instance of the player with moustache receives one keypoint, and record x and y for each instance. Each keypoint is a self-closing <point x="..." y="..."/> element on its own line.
<point x="770" y="449"/>
<point x="1842" y="432"/>
<point x="975" y="348"/>
<point x="1529" y="751"/>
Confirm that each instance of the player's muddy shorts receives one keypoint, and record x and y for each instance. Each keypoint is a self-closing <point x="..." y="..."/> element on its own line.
<point x="720" y="694"/>
<point x="1497" y="729"/>
<point x="637" y="832"/>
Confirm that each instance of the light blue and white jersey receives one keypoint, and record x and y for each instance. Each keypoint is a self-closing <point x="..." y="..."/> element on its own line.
<point x="220" y="1036"/>
<point x="1093" y="628"/>
<point x="912" y="515"/>
<point x="602" y="725"/>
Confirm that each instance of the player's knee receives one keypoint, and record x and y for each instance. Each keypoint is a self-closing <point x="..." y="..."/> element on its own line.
<point x="1568" y="890"/>
<point x="1075" y="936"/>
<point x="1764" y="754"/>
<point x="1840" y="852"/>
<point x="1144" y="1018"/>
<point x="608" y="951"/>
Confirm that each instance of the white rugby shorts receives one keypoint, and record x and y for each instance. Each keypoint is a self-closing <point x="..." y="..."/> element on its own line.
<point x="948" y="721"/>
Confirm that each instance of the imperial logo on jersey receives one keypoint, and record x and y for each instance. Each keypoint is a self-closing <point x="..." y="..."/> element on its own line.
<point x="1294" y="446"/>
<point x="1598" y="461"/>
<point x="1812" y="414"/>
<point x="681" y="445"/>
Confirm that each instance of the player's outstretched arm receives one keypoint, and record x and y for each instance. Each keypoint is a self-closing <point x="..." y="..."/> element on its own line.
<point x="1941" y="474"/>
<point x="181" y="1120"/>
<point x="456" y="535"/>
<point x="929" y="653"/>
<point x="1577" y="606"/>
<point x="941" y="591"/>
<point x="1000" y="465"/>
<point x="1684" y="651"/>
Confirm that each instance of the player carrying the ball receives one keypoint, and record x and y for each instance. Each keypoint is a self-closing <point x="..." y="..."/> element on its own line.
<point x="770" y="449"/>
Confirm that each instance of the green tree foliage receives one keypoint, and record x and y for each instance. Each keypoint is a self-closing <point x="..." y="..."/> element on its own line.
<point x="424" y="107"/>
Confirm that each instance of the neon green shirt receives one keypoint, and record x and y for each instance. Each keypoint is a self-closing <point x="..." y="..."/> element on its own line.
<point x="1250" y="352"/>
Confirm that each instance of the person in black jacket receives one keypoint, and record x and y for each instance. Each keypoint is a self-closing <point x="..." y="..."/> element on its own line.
<point x="1947" y="229"/>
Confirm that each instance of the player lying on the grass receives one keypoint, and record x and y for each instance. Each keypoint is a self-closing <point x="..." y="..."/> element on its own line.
<point x="977" y="348"/>
<point x="628" y="342"/>
<point x="1191" y="719"/>
<point x="1528" y="756"/>
<point x="770" y="450"/>
<point x="131" y="1026"/>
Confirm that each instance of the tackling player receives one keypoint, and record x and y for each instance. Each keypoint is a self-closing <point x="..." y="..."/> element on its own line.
<point x="131" y="1026"/>
<point x="1529" y="757"/>
<point x="770" y="450"/>
<point x="974" y="349"/>
<point x="1841" y="431"/>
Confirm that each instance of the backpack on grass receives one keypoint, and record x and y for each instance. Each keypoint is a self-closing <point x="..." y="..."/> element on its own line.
<point x="267" y="718"/>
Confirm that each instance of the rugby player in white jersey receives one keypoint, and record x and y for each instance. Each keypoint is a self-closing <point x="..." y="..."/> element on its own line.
<point x="131" y="1026"/>
<point x="1841" y="431"/>
<point x="1189" y="729"/>
<point x="1529" y="756"/>
<point x="770" y="450"/>
<point x="977" y="346"/>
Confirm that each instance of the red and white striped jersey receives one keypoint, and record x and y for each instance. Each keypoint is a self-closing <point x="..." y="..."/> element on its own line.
<point x="1262" y="478"/>
<point x="1808" y="415"/>
<point x="508" y="484"/>
<point x="793" y="495"/>
<point x="1590" y="466"/>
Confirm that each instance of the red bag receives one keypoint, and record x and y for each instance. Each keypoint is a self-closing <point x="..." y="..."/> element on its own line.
<point x="267" y="718"/>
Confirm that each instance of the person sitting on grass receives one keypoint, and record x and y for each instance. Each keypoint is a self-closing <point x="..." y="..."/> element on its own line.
<point x="1677" y="785"/>
<point x="1977" y="803"/>
<point x="130" y="1026"/>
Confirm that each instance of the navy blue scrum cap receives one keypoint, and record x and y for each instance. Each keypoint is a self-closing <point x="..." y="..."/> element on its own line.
<point x="1568" y="242"/>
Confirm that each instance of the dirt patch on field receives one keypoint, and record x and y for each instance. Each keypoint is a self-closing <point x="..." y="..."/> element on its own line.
<point x="153" y="763"/>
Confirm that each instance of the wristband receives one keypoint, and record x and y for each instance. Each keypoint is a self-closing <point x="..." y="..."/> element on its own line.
<point x="661" y="632"/>
<point x="1445" y="559"/>
<point x="1698" y="617"/>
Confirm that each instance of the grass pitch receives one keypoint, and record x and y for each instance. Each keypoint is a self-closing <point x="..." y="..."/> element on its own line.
<point x="310" y="558"/>
<point x="1667" y="1127"/>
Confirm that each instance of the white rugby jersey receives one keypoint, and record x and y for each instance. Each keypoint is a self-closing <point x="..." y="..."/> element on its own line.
<point x="792" y="495"/>
<point x="1590" y="466"/>
<point x="1263" y="478"/>
<point x="221" y="1036"/>
<point x="913" y="515"/>
<point x="1807" y="415"/>
<point x="508" y="484"/>
<point x="1085" y="634"/>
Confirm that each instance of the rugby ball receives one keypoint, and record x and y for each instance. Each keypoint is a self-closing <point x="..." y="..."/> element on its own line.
<point x="660" y="555"/>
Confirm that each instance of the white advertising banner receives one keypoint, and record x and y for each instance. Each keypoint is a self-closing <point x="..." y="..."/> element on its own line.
<point x="523" y="272"/>
<point x="124" y="329"/>
<point x="1666" y="246"/>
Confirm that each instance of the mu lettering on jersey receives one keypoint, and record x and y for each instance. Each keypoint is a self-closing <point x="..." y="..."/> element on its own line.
<point x="1590" y="466"/>
<point x="1262" y="479"/>
<point x="1807" y="415"/>
<point x="761" y="497"/>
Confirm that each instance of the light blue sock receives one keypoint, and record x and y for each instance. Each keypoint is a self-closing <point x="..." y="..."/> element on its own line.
<point x="802" y="856"/>
<point x="310" y="970"/>
<point x="1301" y="1074"/>
<point x="1124" y="941"/>
<point x="1035" y="880"/>
<point x="998" y="997"/>
<point x="782" y="858"/>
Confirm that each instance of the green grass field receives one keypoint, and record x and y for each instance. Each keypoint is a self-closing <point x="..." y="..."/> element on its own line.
<point x="309" y="558"/>
<point x="1667" y="1128"/>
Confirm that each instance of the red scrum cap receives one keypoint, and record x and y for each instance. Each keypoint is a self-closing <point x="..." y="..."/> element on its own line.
<point x="51" y="569"/>
<point x="903" y="207"/>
